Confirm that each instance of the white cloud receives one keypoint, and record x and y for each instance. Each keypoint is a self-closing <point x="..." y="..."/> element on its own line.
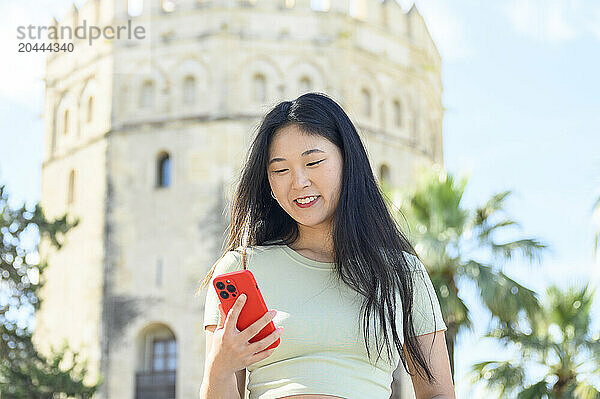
<point x="554" y="21"/>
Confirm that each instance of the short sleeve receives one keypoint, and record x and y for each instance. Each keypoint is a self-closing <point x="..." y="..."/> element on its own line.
<point x="427" y="315"/>
<point x="230" y="262"/>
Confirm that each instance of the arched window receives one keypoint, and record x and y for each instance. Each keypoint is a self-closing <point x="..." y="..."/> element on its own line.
<point x="147" y="94"/>
<point x="259" y="88"/>
<point x="66" y="121"/>
<point x="305" y="84"/>
<point x="157" y="363"/>
<point x="90" y="109"/>
<point x="163" y="176"/>
<point x="189" y="90"/>
<point x="164" y="355"/>
<point x="168" y="5"/>
<point x="384" y="174"/>
<point x="366" y="102"/>
<point x="135" y="7"/>
<point x="71" y="188"/>
<point x="397" y="114"/>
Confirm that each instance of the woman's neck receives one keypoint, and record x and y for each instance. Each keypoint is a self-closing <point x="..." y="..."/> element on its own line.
<point x="314" y="243"/>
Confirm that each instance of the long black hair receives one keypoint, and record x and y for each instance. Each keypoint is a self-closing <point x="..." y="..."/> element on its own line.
<point x="368" y="243"/>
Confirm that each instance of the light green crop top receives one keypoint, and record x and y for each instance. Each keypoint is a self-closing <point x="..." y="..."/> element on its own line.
<point x="322" y="348"/>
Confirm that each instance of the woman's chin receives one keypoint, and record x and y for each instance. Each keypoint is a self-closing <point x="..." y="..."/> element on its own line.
<point x="310" y="222"/>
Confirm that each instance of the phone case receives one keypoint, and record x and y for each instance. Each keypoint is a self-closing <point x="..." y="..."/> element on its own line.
<point x="229" y="287"/>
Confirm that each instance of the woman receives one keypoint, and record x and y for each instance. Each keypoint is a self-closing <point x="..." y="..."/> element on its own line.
<point x="310" y="222"/>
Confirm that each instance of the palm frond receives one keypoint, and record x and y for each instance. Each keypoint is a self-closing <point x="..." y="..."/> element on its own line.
<point x="454" y="310"/>
<point x="527" y="341"/>
<point x="530" y="248"/>
<point x="571" y="309"/>
<point x="584" y="390"/>
<point x="494" y="204"/>
<point x="535" y="391"/>
<point x="500" y="375"/>
<point x="503" y="296"/>
<point x="485" y="231"/>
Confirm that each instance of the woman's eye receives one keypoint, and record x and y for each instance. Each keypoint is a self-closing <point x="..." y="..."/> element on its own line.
<point x="314" y="163"/>
<point x="308" y="164"/>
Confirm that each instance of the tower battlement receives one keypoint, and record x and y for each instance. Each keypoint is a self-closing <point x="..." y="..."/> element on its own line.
<point x="385" y="17"/>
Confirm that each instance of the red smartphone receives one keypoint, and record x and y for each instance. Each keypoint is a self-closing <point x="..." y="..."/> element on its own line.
<point x="230" y="286"/>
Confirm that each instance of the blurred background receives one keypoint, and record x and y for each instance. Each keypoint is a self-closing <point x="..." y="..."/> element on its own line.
<point x="487" y="111"/>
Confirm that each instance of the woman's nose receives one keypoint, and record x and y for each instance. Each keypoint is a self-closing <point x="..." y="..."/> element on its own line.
<point x="300" y="180"/>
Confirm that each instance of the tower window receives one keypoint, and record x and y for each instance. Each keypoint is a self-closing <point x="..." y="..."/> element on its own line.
<point x="305" y="84"/>
<point x="384" y="174"/>
<point x="90" y="109"/>
<point x="66" y="122"/>
<point x="71" y="188"/>
<point x="397" y="114"/>
<point x="366" y="102"/>
<point x="147" y="94"/>
<point x="259" y="88"/>
<point x="189" y="90"/>
<point x="164" y="171"/>
<point x="164" y="356"/>
<point x="157" y="372"/>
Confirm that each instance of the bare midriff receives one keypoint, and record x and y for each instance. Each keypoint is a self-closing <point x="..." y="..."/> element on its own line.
<point x="311" y="397"/>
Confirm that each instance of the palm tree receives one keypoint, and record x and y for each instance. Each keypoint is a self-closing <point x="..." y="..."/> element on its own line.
<point x="559" y="340"/>
<point x="449" y="239"/>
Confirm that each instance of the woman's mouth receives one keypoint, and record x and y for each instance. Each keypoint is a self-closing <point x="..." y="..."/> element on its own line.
<point x="311" y="201"/>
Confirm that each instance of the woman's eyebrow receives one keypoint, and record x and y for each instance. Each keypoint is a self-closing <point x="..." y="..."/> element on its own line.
<point x="305" y="153"/>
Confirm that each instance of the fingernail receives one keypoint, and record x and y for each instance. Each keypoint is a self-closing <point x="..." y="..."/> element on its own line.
<point x="272" y="312"/>
<point x="243" y="297"/>
<point x="280" y="330"/>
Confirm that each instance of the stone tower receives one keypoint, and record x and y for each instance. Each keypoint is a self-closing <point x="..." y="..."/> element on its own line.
<point x="144" y="140"/>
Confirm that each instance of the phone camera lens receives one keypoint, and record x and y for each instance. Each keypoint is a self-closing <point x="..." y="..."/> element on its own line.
<point x="230" y="288"/>
<point x="224" y="295"/>
<point x="220" y="285"/>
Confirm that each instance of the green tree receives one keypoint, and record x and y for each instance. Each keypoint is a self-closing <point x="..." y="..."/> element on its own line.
<point x="559" y="340"/>
<point x="25" y="373"/>
<point x="452" y="240"/>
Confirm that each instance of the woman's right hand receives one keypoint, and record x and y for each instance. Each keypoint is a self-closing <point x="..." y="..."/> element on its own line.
<point x="231" y="350"/>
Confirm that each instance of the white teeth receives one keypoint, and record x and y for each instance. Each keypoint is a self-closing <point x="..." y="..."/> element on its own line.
<point x="306" y="200"/>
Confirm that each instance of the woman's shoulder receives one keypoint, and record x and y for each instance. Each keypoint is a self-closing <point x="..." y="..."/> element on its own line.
<point x="265" y="248"/>
<point x="414" y="263"/>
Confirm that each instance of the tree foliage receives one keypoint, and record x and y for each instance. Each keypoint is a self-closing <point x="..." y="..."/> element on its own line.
<point x="25" y="373"/>
<point x="457" y="244"/>
<point x="558" y="339"/>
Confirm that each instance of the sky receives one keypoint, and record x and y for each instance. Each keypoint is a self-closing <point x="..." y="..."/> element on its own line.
<point x="522" y="100"/>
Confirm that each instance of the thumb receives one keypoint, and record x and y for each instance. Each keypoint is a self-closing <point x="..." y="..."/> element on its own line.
<point x="222" y="317"/>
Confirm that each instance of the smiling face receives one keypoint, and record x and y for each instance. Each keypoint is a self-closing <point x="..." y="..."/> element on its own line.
<point x="302" y="165"/>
